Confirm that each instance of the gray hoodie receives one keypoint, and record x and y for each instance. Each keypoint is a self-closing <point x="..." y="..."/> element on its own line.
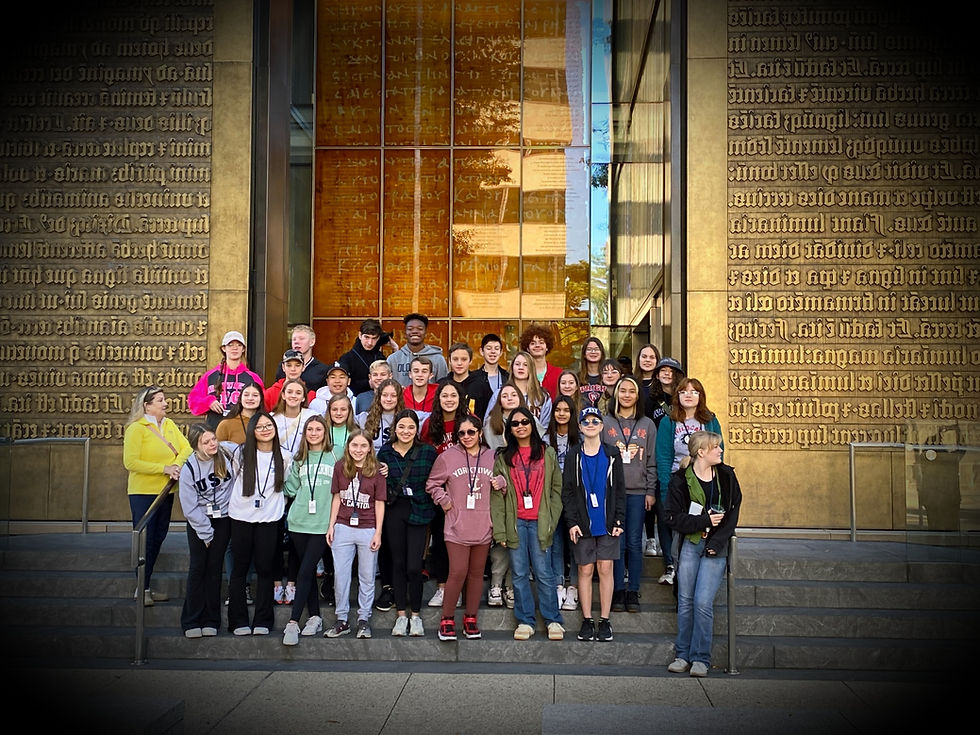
<point x="401" y="363"/>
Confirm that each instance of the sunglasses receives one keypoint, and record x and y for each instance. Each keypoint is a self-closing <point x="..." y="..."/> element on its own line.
<point x="467" y="432"/>
<point x="591" y="422"/>
<point x="521" y="422"/>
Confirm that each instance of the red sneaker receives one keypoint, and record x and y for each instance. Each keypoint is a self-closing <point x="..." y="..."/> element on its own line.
<point x="447" y="629"/>
<point x="470" y="629"/>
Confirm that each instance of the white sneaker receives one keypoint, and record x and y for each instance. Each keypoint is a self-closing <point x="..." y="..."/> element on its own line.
<point x="699" y="669"/>
<point x="278" y="595"/>
<point x="509" y="597"/>
<point x="314" y="624"/>
<point x="667" y="577"/>
<point x="561" y="595"/>
<point x="415" y="627"/>
<point x="495" y="597"/>
<point x="523" y="632"/>
<point x="650" y="547"/>
<point x="290" y="636"/>
<point x="242" y="630"/>
<point x="678" y="666"/>
<point x="436" y="600"/>
<point x="401" y="626"/>
<point x="571" y="599"/>
<point x="556" y="632"/>
<point x="260" y="630"/>
<point x="320" y="571"/>
<point x="290" y="594"/>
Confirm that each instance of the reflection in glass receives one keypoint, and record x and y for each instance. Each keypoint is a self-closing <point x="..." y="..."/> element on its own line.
<point x="599" y="243"/>
<point x="472" y="332"/>
<point x="486" y="234"/>
<point x="487" y="59"/>
<point x="416" y="232"/>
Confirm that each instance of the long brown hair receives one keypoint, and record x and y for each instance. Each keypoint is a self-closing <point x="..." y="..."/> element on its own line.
<point x="304" y="448"/>
<point x="372" y="424"/>
<point x="701" y="413"/>
<point x="370" y="467"/>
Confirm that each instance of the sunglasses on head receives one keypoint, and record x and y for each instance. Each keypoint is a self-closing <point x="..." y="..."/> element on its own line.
<point x="521" y="422"/>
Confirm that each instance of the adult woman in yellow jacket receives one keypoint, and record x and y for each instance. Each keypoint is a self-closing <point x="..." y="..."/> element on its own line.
<point x="154" y="450"/>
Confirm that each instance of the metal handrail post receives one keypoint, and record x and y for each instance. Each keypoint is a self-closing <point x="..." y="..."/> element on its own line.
<point x="85" y="466"/>
<point x="732" y="643"/>
<point x="139" y="555"/>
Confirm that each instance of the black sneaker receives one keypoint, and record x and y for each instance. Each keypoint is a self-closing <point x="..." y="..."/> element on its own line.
<point x="587" y="631"/>
<point x="619" y="600"/>
<point x="633" y="601"/>
<point x="386" y="600"/>
<point x="605" y="630"/>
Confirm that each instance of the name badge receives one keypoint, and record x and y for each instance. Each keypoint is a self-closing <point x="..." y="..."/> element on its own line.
<point x="354" y="520"/>
<point x="470" y="502"/>
<point x="595" y="500"/>
<point x="312" y="506"/>
<point x="408" y="491"/>
<point x="258" y="502"/>
<point x="626" y="456"/>
<point x="528" y="502"/>
<point x="213" y="510"/>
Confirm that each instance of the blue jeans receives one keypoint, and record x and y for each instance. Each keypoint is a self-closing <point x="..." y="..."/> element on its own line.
<point x="631" y="545"/>
<point x="698" y="579"/>
<point x="156" y="528"/>
<point x="526" y="557"/>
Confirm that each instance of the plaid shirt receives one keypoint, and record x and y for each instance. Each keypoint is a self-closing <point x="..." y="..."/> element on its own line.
<point x="423" y="509"/>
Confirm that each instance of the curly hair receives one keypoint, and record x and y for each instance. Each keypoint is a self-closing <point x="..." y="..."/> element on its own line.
<point x="537" y="330"/>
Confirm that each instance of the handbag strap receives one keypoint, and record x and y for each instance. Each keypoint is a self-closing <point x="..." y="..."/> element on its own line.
<point x="162" y="438"/>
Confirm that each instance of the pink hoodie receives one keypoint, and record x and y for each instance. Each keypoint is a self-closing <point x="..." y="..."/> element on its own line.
<point x="455" y="477"/>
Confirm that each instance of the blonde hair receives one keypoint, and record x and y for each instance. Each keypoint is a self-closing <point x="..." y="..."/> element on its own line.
<point x="700" y="440"/>
<point x="194" y="435"/>
<point x="144" y="396"/>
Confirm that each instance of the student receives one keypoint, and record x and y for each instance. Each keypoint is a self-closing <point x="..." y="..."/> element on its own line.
<point x="356" y="517"/>
<point x="461" y="482"/>
<point x="420" y="395"/>
<point x="667" y="373"/>
<point x="611" y="372"/>
<point x="291" y="414"/>
<point x="594" y="500"/>
<point x="569" y="385"/>
<point x="232" y="427"/>
<point x="635" y="436"/>
<point x="589" y="372"/>
<point x="538" y="340"/>
<point x="475" y="388"/>
<point x="563" y="436"/>
<point x="314" y="375"/>
<point x="492" y="350"/>
<point x="703" y="503"/>
<point x="416" y="326"/>
<point x="256" y="506"/>
<point x="292" y="366"/>
<point x="689" y="412"/>
<point x="494" y="435"/>
<point x="524" y="519"/>
<point x="309" y="485"/>
<point x="537" y="399"/>
<point x="366" y="351"/>
<point x="338" y="383"/>
<point x="377" y="421"/>
<point x="439" y="430"/>
<point x="406" y="521"/>
<point x="219" y="388"/>
<point x="154" y="449"/>
<point x="380" y="371"/>
<point x="647" y="358"/>
<point x="340" y="425"/>
<point x="205" y="487"/>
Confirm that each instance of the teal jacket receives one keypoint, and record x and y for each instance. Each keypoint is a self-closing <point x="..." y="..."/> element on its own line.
<point x="503" y="505"/>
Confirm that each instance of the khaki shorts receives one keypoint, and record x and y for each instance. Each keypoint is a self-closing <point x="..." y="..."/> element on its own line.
<point x="596" y="548"/>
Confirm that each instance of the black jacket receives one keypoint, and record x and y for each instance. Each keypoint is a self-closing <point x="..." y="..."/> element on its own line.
<point x="574" y="497"/>
<point x="679" y="502"/>
<point x="358" y="361"/>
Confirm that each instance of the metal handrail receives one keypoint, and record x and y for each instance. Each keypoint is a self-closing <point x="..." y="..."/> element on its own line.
<point x="86" y="443"/>
<point x="890" y="445"/>
<point x="138" y="560"/>
<point x="732" y="551"/>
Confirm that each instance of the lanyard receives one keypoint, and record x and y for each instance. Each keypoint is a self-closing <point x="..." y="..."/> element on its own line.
<point x="626" y="437"/>
<point x="472" y="475"/>
<point x="311" y="481"/>
<point x="291" y="444"/>
<point x="590" y="472"/>
<point x="265" y="482"/>
<point x="527" y="470"/>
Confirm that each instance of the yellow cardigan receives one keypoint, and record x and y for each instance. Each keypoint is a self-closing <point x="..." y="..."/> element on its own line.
<point x="145" y="455"/>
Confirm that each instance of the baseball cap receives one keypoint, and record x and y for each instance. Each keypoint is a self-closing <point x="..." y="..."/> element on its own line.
<point x="671" y="363"/>
<point x="589" y="411"/>
<point x="292" y="355"/>
<point x="338" y="366"/>
<point x="232" y="337"/>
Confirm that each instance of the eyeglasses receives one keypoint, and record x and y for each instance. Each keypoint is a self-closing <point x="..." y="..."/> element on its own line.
<point x="521" y="422"/>
<point x="468" y="432"/>
<point x="591" y="422"/>
<point x="265" y="427"/>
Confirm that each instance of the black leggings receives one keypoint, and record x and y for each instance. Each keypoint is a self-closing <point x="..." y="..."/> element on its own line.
<point x="309" y="548"/>
<point x="407" y="544"/>
<point x="439" y="558"/>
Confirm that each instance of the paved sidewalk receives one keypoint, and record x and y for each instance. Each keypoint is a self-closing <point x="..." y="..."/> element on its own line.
<point x="357" y="700"/>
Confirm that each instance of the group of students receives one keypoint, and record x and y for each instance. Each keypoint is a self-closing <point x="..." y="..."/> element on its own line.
<point x="411" y="465"/>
